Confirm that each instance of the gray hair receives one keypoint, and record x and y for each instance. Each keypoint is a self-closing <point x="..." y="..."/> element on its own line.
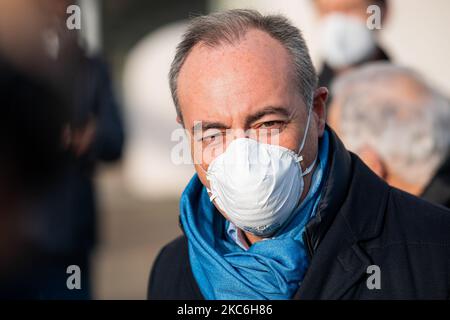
<point x="414" y="139"/>
<point x="228" y="27"/>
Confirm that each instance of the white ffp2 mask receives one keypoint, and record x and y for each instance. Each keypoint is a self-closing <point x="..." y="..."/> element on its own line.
<point x="258" y="186"/>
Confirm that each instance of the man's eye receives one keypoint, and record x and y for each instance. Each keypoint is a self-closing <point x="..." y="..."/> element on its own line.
<point x="211" y="137"/>
<point x="271" y="124"/>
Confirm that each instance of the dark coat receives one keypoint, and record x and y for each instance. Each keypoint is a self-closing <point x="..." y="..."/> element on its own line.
<point x="66" y="214"/>
<point x="360" y="221"/>
<point x="438" y="190"/>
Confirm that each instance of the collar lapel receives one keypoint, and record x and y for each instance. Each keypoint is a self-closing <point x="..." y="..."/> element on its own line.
<point x="331" y="276"/>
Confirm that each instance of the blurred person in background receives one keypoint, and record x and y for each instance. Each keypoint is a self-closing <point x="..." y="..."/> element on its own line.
<point x="61" y="222"/>
<point x="66" y="224"/>
<point x="295" y="215"/>
<point x="33" y="121"/>
<point x="345" y="39"/>
<point x="398" y="125"/>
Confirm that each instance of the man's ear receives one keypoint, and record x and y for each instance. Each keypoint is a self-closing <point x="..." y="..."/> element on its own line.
<point x="319" y="108"/>
<point x="371" y="158"/>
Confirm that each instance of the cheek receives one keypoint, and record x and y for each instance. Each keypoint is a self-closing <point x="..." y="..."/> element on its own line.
<point x="200" y="165"/>
<point x="203" y="154"/>
<point x="195" y="153"/>
<point x="201" y="175"/>
<point x="291" y="137"/>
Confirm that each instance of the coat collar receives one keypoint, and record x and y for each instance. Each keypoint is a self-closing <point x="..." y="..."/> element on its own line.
<point x="333" y="193"/>
<point x="438" y="190"/>
<point x="350" y="211"/>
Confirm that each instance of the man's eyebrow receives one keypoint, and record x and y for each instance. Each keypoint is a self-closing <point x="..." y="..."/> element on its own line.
<point x="205" y="125"/>
<point x="267" y="111"/>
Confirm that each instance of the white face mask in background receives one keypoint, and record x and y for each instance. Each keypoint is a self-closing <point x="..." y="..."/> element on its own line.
<point x="345" y="41"/>
<point x="257" y="185"/>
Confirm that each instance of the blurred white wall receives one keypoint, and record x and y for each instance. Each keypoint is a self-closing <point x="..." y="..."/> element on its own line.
<point x="417" y="36"/>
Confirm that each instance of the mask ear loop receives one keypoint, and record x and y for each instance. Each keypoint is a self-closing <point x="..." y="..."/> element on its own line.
<point x="310" y="168"/>
<point x="302" y="145"/>
<point x="305" y="133"/>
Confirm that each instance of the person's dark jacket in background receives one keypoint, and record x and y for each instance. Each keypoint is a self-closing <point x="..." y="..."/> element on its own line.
<point x="63" y="224"/>
<point x="360" y="221"/>
<point x="327" y="74"/>
<point x="32" y="157"/>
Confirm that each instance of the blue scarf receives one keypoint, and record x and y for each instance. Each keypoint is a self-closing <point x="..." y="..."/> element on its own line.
<point x="269" y="269"/>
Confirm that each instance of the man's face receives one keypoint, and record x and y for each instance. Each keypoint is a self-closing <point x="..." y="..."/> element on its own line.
<point x="249" y="85"/>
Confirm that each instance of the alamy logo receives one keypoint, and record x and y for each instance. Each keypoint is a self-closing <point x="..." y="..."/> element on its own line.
<point x="374" y="280"/>
<point x="73" y="22"/>
<point x="374" y="20"/>
<point x="74" y="280"/>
